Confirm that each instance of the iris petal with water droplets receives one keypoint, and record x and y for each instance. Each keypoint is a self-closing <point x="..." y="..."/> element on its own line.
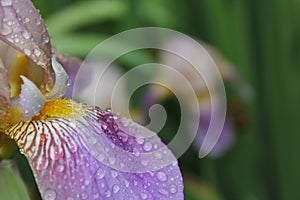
<point x="98" y="155"/>
<point x="5" y="94"/>
<point x="23" y="28"/>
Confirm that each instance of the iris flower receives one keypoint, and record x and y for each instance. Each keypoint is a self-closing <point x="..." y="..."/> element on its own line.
<point x="229" y="74"/>
<point x="75" y="151"/>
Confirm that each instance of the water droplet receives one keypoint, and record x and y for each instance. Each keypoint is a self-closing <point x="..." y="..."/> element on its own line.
<point x="27" y="52"/>
<point x="173" y="189"/>
<point x="147" y="146"/>
<point x="162" y="176"/>
<point x="6" y="30"/>
<point x="100" y="173"/>
<point x="37" y="22"/>
<point x="101" y="157"/>
<point x="114" y="173"/>
<point x="60" y="168"/>
<point x="6" y="2"/>
<point x="164" y="192"/>
<point x="144" y="195"/>
<point x="123" y="137"/>
<point x="96" y="196"/>
<point x="140" y="140"/>
<point x="86" y="182"/>
<point x="116" y="188"/>
<point x="45" y="38"/>
<point x="111" y="160"/>
<point x="73" y="147"/>
<point x="26" y="20"/>
<point x="84" y="195"/>
<point x="41" y="164"/>
<point x="26" y="34"/>
<point x="126" y="183"/>
<point x="9" y="22"/>
<point x="58" y="153"/>
<point x="50" y="195"/>
<point x="107" y="193"/>
<point x="36" y="52"/>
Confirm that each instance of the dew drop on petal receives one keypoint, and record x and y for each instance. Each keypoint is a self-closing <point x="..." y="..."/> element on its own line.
<point x="45" y="39"/>
<point x="147" y="146"/>
<point x="27" y="52"/>
<point x="84" y="195"/>
<point x="100" y="173"/>
<point x="26" y="34"/>
<point x="60" y="168"/>
<point x="173" y="189"/>
<point x="36" y="52"/>
<point x="163" y="192"/>
<point x="73" y="147"/>
<point x="114" y="173"/>
<point x="116" y="188"/>
<point x="42" y="164"/>
<point x="50" y="195"/>
<point x="111" y="160"/>
<point x="107" y="193"/>
<point x="26" y="20"/>
<point x="96" y="195"/>
<point x="6" y="30"/>
<point x="126" y="182"/>
<point x="162" y="176"/>
<point x="86" y="182"/>
<point x="101" y="157"/>
<point x="144" y="195"/>
<point x="140" y="140"/>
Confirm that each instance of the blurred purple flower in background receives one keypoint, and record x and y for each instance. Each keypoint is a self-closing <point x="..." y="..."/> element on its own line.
<point x="157" y="94"/>
<point x="75" y="151"/>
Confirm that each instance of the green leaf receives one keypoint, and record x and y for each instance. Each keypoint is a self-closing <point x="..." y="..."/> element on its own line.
<point x="12" y="186"/>
<point x="84" y="13"/>
<point x="82" y="44"/>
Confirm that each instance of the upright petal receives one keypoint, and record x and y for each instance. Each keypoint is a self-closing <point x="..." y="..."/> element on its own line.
<point x="4" y="95"/>
<point x="83" y="152"/>
<point x="22" y="28"/>
<point x="71" y="65"/>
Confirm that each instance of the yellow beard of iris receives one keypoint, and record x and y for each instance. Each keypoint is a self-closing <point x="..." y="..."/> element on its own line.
<point x="63" y="108"/>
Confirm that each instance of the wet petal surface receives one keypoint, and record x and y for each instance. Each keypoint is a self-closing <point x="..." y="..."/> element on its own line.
<point x="4" y="94"/>
<point x="23" y="28"/>
<point x="98" y="155"/>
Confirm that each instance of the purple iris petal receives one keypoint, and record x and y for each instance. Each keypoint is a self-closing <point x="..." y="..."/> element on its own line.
<point x="98" y="155"/>
<point x="5" y="93"/>
<point x="71" y="65"/>
<point x="22" y="27"/>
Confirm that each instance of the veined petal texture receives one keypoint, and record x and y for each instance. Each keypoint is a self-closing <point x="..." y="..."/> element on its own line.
<point x="96" y="154"/>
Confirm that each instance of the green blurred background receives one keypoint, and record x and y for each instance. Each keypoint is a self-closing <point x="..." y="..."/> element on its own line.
<point x="261" y="38"/>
